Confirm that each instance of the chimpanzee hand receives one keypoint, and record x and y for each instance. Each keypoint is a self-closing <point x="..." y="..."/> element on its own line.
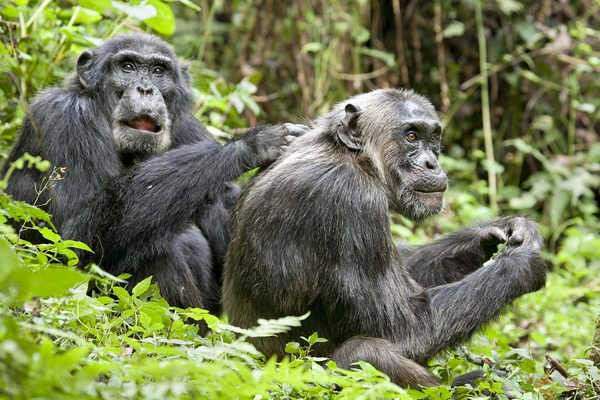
<point x="523" y="232"/>
<point x="514" y="231"/>
<point x="524" y="245"/>
<point x="266" y="144"/>
<point x="490" y="237"/>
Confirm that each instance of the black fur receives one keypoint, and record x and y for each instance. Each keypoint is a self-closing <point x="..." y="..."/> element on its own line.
<point x="312" y="234"/>
<point x="147" y="202"/>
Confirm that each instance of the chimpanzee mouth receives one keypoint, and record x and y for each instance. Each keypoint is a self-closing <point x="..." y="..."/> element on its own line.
<point x="431" y="187"/>
<point x="430" y="192"/>
<point x="143" y="123"/>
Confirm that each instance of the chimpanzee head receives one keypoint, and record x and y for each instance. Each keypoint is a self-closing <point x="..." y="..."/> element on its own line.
<point x="140" y="87"/>
<point x="399" y="134"/>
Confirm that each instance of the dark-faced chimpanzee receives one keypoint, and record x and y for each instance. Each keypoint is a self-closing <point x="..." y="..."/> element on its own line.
<point x="312" y="233"/>
<point x="143" y="182"/>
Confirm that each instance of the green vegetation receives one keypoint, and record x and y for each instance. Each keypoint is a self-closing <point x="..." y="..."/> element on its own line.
<point x="535" y="151"/>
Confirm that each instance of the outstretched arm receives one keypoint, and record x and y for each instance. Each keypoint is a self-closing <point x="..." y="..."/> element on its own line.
<point x="214" y="217"/>
<point x="138" y="213"/>
<point x="454" y="256"/>
<point x="457" y="309"/>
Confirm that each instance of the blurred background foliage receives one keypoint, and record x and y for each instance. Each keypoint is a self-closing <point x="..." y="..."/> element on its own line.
<point x="517" y="84"/>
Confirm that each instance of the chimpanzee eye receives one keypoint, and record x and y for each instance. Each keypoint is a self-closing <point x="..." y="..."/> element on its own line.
<point x="158" y="70"/>
<point x="411" y="136"/>
<point x="127" y="67"/>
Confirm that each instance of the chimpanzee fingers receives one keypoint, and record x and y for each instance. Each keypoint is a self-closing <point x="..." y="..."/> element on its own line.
<point x="296" y="129"/>
<point x="490" y="237"/>
<point x="522" y="231"/>
<point x="494" y="233"/>
<point x="516" y="236"/>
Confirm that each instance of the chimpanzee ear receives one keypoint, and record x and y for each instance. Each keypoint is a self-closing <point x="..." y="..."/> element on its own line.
<point x="85" y="61"/>
<point x="347" y="131"/>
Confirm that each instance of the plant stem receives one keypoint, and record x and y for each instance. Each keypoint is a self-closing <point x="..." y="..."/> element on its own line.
<point x="441" y="55"/>
<point x="485" y="109"/>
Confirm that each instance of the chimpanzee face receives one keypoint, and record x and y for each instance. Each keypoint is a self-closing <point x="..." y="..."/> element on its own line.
<point x="400" y="133"/>
<point x="416" y="183"/>
<point x="141" y="122"/>
<point x="137" y="79"/>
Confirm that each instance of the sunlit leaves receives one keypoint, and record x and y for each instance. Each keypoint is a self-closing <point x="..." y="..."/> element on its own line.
<point x="163" y="21"/>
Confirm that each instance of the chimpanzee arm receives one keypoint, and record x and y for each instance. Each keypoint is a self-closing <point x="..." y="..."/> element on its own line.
<point x="452" y="257"/>
<point x="457" y="309"/>
<point x="139" y="212"/>
<point x="214" y="220"/>
<point x="213" y="216"/>
<point x="187" y="130"/>
<point x="64" y="129"/>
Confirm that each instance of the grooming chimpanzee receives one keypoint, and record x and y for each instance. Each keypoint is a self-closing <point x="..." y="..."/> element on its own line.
<point x="144" y="183"/>
<point x="312" y="234"/>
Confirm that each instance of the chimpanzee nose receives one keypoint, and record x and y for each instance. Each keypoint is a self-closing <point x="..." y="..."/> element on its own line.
<point x="145" y="91"/>
<point x="429" y="162"/>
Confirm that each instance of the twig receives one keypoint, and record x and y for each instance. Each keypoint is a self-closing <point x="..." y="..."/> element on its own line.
<point x="360" y="77"/>
<point x="35" y="14"/>
<point x="557" y="366"/>
<point x="441" y="54"/>
<point x="416" y="44"/>
<point x="485" y="108"/>
<point x="400" y="42"/>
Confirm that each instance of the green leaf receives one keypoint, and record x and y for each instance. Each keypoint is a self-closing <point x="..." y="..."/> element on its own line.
<point x="314" y="339"/>
<point x="312" y="47"/>
<point x="86" y="16"/>
<point x="49" y="234"/>
<point x="454" y="28"/>
<point x="8" y="259"/>
<point x="558" y="203"/>
<point x="48" y="282"/>
<point x="142" y="287"/>
<point x="543" y="123"/>
<point x="190" y="4"/>
<point x="493" y="166"/>
<point x="97" y="5"/>
<point x="524" y="202"/>
<point x="387" y="58"/>
<point x="292" y="348"/>
<point x="509" y="6"/>
<point x="10" y="12"/>
<point x="164" y="21"/>
<point x="528" y="32"/>
<point x="140" y="12"/>
<point x="122" y="295"/>
<point x="77" y="245"/>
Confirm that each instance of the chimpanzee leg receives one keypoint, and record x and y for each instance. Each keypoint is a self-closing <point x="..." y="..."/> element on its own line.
<point x="385" y="356"/>
<point x="214" y="222"/>
<point x="184" y="272"/>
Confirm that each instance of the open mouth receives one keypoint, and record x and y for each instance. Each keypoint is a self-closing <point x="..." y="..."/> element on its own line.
<point x="144" y="123"/>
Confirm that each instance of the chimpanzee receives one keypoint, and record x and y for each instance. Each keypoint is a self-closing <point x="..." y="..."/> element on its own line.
<point x="143" y="182"/>
<point x="312" y="233"/>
